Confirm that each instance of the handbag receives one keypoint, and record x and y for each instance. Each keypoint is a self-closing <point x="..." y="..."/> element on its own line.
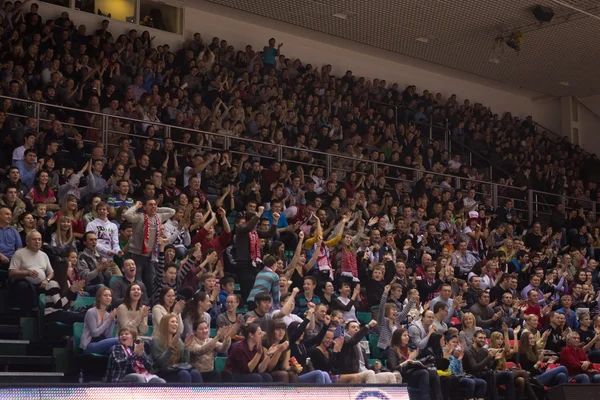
<point x="180" y="367"/>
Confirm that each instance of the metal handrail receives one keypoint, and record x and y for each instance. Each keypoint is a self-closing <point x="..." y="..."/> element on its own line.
<point x="418" y="173"/>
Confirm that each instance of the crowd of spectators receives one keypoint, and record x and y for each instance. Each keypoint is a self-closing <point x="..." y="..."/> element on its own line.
<point x="162" y="225"/>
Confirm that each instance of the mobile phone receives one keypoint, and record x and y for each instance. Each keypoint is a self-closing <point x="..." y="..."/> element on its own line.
<point x="138" y="341"/>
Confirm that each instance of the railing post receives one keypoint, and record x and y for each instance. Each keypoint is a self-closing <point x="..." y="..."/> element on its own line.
<point x="495" y="195"/>
<point x="167" y="131"/>
<point x="491" y="175"/>
<point x="36" y="114"/>
<point x="227" y="143"/>
<point x="105" y="133"/>
<point x="396" y="107"/>
<point x="530" y="205"/>
<point x="279" y="153"/>
<point x="328" y="161"/>
<point x="470" y="159"/>
<point x="430" y="131"/>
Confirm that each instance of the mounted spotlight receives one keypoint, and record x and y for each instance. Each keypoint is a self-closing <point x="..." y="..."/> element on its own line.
<point x="515" y="40"/>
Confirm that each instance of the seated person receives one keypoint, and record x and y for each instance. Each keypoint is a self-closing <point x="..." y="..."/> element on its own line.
<point x="128" y="361"/>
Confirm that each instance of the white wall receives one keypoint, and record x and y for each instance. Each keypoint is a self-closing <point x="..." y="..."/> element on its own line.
<point x="589" y="127"/>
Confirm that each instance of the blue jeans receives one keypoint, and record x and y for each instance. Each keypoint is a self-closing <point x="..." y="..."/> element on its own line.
<point x="584" y="378"/>
<point x="181" y="376"/>
<point x="101" y="347"/>
<point x="316" y="376"/>
<point x="474" y="388"/>
<point x="553" y="377"/>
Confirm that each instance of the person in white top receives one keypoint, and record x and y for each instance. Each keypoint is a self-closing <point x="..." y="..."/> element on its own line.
<point x="178" y="232"/>
<point x="106" y="232"/>
<point x="29" y="142"/>
<point x="29" y="268"/>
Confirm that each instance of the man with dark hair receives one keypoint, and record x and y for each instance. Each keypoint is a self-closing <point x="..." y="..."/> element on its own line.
<point x="308" y="295"/>
<point x="92" y="268"/>
<point x="501" y="287"/>
<point x="10" y="240"/>
<point x="480" y="362"/>
<point x="248" y="249"/>
<point x="440" y="312"/>
<point x="484" y="314"/>
<point x="14" y="178"/>
<point x="353" y="359"/>
<point x="143" y="244"/>
<point x="260" y="315"/>
<point x="266" y="281"/>
<point x="11" y="200"/>
<point x="28" y="167"/>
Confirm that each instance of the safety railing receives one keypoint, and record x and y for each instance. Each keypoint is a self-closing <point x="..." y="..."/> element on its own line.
<point x="533" y="203"/>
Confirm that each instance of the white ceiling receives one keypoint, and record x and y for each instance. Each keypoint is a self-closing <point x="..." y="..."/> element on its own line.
<point x="461" y="35"/>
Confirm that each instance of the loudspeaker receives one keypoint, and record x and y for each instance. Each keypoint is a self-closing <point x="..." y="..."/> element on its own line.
<point x="574" y="392"/>
<point x="543" y="14"/>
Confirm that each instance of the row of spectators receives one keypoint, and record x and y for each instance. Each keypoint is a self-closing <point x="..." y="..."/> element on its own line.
<point x="161" y="228"/>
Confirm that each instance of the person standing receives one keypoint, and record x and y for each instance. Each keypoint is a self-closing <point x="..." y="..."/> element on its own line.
<point x="143" y="245"/>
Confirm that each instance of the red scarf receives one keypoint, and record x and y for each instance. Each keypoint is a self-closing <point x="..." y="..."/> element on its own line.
<point x="254" y="246"/>
<point x="349" y="262"/>
<point x="146" y="242"/>
<point x="137" y="365"/>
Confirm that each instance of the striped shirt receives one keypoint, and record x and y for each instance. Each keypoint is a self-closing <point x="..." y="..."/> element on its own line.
<point x="55" y="300"/>
<point x="266" y="281"/>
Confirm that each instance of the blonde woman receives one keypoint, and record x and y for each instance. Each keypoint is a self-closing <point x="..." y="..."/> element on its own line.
<point x="170" y="355"/>
<point x="499" y="340"/>
<point x="63" y="237"/>
<point x="469" y="329"/>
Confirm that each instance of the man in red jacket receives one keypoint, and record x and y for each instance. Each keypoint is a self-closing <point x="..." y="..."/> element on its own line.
<point x="573" y="357"/>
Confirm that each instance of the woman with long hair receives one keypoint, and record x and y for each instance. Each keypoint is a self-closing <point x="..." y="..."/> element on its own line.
<point x="170" y="355"/>
<point x="41" y="192"/>
<point x="90" y="216"/>
<point x="99" y="325"/>
<point x="475" y="388"/>
<point x="530" y="359"/>
<point x="279" y="366"/>
<point x="500" y="340"/>
<point x="129" y="362"/>
<point x="63" y="237"/>
<point x="195" y="309"/>
<point x="61" y="295"/>
<point x="324" y="357"/>
<point x="132" y="313"/>
<point x="399" y="358"/>
<point x="168" y="304"/>
<point x="69" y="207"/>
<point x="440" y="350"/>
<point x="202" y="350"/>
<point x="248" y="361"/>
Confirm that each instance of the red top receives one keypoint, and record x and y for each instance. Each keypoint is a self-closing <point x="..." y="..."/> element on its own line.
<point x="239" y="357"/>
<point x="535" y="310"/>
<point x="77" y="224"/>
<point x="572" y="359"/>
<point x="39" y="197"/>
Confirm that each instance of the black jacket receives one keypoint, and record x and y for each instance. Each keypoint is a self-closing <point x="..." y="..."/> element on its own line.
<point x="348" y="359"/>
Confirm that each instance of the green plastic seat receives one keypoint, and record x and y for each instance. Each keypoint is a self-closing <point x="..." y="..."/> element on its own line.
<point x="77" y="333"/>
<point x="220" y="363"/>
<point x="150" y="331"/>
<point x="372" y="361"/>
<point x="50" y="330"/>
<point x="213" y="332"/>
<point x="364" y="317"/>
<point x="375" y="351"/>
<point x="113" y="279"/>
<point x="82" y="301"/>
